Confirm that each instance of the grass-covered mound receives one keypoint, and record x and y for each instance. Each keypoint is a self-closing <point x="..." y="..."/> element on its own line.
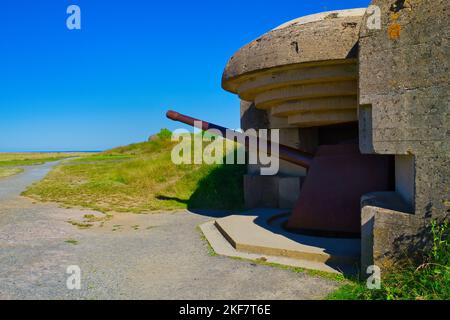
<point x="141" y="178"/>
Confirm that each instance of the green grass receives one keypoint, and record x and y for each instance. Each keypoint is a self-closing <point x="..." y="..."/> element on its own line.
<point x="10" y="163"/>
<point x="327" y="275"/>
<point x="80" y="225"/>
<point x="141" y="178"/>
<point x="7" y="171"/>
<point x="205" y="240"/>
<point x="28" y="159"/>
<point x="406" y="281"/>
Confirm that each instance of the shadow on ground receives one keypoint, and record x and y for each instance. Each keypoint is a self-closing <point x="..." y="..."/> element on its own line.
<point x="220" y="194"/>
<point x="217" y="194"/>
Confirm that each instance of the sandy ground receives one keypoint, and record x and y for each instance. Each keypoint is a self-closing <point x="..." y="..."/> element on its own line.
<point x="157" y="256"/>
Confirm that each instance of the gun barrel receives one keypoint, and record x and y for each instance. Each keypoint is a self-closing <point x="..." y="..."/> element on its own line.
<point x="292" y="155"/>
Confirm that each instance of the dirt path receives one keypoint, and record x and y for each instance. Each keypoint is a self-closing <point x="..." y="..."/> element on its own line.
<point x="159" y="256"/>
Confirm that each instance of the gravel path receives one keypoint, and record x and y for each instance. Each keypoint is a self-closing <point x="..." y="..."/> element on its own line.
<point x="157" y="256"/>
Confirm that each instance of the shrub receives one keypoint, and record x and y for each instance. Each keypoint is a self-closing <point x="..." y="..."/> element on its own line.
<point x="165" y="134"/>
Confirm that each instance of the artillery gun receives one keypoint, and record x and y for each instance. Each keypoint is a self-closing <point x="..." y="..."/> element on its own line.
<point x="337" y="176"/>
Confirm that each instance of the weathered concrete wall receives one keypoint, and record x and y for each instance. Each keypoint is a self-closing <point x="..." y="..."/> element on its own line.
<point x="404" y="178"/>
<point x="404" y="98"/>
<point x="321" y="37"/>
<point x="252" y="118"/>
<point x="282" y="190"/>
<point x="331" y="68"/>
<point x="271" y="191"/>
<point x="303" y="73"/>
<point x="387" y="232"/>
<point x="300" y="75"/>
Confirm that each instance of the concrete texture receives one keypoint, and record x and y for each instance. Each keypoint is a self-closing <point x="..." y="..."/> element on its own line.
<point x="252" y="118"/>
<point x="404" y="86"/>
<point x="387" y="232"/>
<point x="404" y="111"/>
<point x="289" y="191"/>
<point x="158" y="256"/>
<point x="323" y="15"/>
<point x="329" y="37"/>
<point x="330" y="70"/>
<point x="261" y="191"/>
<point x="279" y="191"/>
<point x="257" y="233"/>
<point x="222" y="246"/>
<point x="304" y="72"/>
<point x="271" y="191"/>
<point x="303" y="95"/>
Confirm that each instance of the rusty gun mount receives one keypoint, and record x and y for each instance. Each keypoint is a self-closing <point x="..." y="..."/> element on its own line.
<point x="338" y="175"/>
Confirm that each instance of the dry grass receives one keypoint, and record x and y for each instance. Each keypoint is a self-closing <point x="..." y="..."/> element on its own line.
<point x="33" y="158"/>
<point x="141" y="178"/>
<point x="7" y="172"/>
<point x="10" y="163"/>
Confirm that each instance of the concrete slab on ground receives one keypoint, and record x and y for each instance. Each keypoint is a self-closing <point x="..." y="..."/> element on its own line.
<point x="257" y="233"/>
<point x="222" y="247"/>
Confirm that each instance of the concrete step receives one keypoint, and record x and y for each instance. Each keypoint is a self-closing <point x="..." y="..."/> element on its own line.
<point x="259" y="234"/>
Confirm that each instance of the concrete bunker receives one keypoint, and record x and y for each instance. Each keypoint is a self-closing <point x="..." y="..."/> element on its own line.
<point x="302" y="78"/>
<point x="364" y="99"/>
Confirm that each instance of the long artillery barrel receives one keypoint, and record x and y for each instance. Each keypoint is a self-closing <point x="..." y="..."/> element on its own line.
<point x="292" y="155"/>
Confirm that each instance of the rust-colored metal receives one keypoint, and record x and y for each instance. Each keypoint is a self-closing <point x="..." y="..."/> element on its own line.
<point x="329" y="202"/>
<point x="292" y="155"/>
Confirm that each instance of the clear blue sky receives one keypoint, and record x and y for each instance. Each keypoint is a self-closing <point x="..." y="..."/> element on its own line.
<point x="110" y="83"/>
